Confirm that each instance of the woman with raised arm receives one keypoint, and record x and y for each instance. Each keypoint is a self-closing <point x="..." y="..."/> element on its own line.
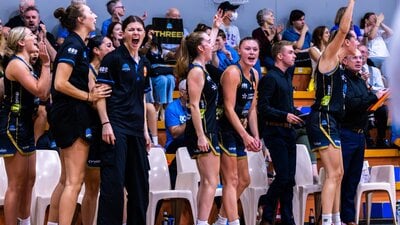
<point x="201" y="126"/>
<point x="327" y="111"/>
<point x="238" y="128"/>
<point x="21" y="87"/>
<point x="70" y="116"/>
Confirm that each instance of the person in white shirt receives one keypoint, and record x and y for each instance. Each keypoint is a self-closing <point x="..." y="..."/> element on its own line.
<point x="231" y="31"/>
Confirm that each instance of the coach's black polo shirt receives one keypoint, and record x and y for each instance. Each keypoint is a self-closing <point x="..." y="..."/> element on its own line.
<point x="129" y="81"/>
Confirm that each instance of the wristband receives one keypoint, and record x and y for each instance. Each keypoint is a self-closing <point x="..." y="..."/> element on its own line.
<point x="105" y="123"/>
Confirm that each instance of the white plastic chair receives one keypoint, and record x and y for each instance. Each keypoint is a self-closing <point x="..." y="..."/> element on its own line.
<point x="304" y="183"/>
<point x="382" y="179"/>
<point x="160" y="186"/>
<point x="185" y="164"/>
<point x="258" y="186"/>
<point x="3" y="181"/>
<point x="48" y="172"/>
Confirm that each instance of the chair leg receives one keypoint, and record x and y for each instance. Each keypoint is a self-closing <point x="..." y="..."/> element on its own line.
<point x="302" y="203"/>
<point x="368" y="205"/>
<point x="392" y="198"/>
<point x="357" y="206"/>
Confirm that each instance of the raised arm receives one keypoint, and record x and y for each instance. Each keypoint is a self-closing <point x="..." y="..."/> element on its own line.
<point x="329" y="58"/>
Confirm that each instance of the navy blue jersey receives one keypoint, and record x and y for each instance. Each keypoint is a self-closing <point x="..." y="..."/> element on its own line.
<point x="330" y="93"/>
<point x="244" y="98"/>
<point x="75" y="53"/>
<point x="129" y="81"/>
<point x="16" y="112"/>
<point x="207" y="106"/>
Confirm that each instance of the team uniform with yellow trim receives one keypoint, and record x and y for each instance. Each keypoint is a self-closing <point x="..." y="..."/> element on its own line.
<point x="229" y="140"/>
<point x="323" y="124"/>
<point x="208" y="106"/>
<point x="16" y="118"/>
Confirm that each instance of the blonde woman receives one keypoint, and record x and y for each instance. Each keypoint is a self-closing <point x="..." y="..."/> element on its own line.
<point x="17" y="145"/>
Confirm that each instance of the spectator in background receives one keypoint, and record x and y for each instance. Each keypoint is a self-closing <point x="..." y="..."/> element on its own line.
<point x="175" y="124"/>
<point x="32" y="21"/>
<point x="2" y="48"/>
<point x="162" y="77"/>
<point x="376" y="33"/>
<point x="267" y="34"/>
<point x="354" y="27"/>
<point x="18" y="20"/>
<point x="299" y="35"/>
<point x="169" y="50"/>
<point x="352" y="133"/>
<point x="202" y="27"/>
<point x="379" y="118"/>
<point x="320" y="39"/>
<point x="115" y="33"/>
<point x="229" y="16"/>
<point x="116" y="9"/>
<point x="223" y="54"/>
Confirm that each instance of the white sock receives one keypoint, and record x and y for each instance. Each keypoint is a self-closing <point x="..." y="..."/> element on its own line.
<point x="327" y="219"/>
<point x="336" y="219"/>
<point x="26" y="221"/>
<point x="155" y="140"/>
<point x="201" y="222"/>
<point x="221" y="220"/>
<point x="235" y="222"/>
<point x="52" y="223"/>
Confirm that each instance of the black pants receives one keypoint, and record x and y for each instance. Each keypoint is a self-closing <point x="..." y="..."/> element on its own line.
<point x="124" y="165"/>
<point x="353" y="145"/>
<point x="282" y="147"/>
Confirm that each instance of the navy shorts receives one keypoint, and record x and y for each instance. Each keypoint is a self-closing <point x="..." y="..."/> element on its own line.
<point x="191" y="143"/>
<point x="322" y="130"/>
<point x="232" y="144"/>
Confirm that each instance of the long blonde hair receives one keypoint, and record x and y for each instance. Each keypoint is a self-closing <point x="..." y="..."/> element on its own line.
<point x="187" y="52"/>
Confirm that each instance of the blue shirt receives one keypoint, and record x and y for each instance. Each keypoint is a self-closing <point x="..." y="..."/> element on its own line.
<point x="224" y="62"/>
<point x="175" y="115"/>
<point x="291" y="35"/>
<point x="104" y="26"/>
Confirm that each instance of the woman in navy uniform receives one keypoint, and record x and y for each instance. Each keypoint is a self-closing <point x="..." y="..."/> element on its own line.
<point x="327" y="111"/>
<point x="126" y="140"/>
<point x="70" y="115"/>
<point x="238" y="126"/>
<point x="99" y="46"/>
<point x="17" y="146"/>
<point x="201" y="126"/>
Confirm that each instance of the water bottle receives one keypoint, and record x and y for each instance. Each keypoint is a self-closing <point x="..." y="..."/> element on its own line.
<point x="171" y="220"/>
<point x="311" y="217"/>
<point x="398" y="211"/>
<point x="165" y="218"/>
